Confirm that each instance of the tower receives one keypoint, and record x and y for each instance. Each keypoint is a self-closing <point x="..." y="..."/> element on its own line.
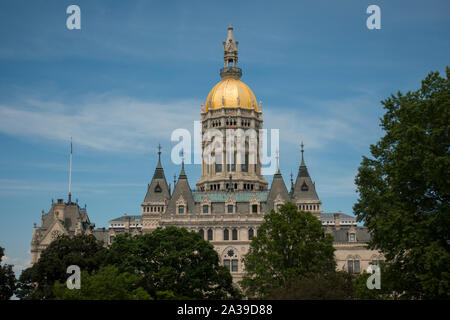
<point x="231" y="122"/>
<point x="304" y="192"/>
<point x="155" y="201"/>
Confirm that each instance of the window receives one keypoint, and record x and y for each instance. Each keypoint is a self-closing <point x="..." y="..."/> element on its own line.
<point x="251" y="233"/>
<point x="230" y="208"/>
<point x="352" y="237"/>
<point x="226" y="263"/>
<point x="180" y="209"/>
<point x="234" y="265"/>
<point x="353" y="266"/>
<point x="278" y="207"/>
<point x="111" y="239"/>
<point x="201" y="233"/>
<point x="244" y="166"/>
<point x="210" y="234"/>
<point x="205" y="208"/>
<point x="254" y="208"/>
<point x="234" y="234"/>
<point x="226" y="234"/>
<point x="231" y="265"/>
<point x="356" y="265"/>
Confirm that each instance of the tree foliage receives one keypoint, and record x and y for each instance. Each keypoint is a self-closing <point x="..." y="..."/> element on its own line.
<point x="404" y="190"/>
<point x="289" y="244"/>
<point x="329" y="286"/>
<point x="37" y="282"/>
<point x="7" y="279"/>
<point x="175" y="260"/>
<point x="105" y="284"/>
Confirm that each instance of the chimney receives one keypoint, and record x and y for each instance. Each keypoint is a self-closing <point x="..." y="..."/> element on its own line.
<point x="336" y="221"/>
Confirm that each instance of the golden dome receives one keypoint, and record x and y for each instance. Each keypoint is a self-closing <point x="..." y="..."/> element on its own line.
<point x="231" y="93"/>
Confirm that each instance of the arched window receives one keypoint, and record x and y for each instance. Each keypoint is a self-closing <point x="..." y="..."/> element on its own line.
<point x="201" y="233"/>
<point x="251" y="233"/>
<point x="226" y="234"/>
<point x="234" y="234"/>
<point x="210" y="234"/>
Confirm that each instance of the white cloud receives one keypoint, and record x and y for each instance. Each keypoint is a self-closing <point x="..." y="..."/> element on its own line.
<point x="102" y="123"/>
<point x="123" y="124"/>
<point x="321" y="122"/>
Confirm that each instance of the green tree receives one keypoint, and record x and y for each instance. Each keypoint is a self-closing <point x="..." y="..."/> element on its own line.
<point x="175" y="260"/>
<point x="85" y="251"/>
<point x="404" y="190"/>
<point x="289" y="245"/>
<point x="329" y="286"/>
<point x="105" y="284"/>
<point x="7" y="279"/>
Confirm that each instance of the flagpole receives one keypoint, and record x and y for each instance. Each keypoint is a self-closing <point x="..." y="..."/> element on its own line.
<point x="70" y="171"/>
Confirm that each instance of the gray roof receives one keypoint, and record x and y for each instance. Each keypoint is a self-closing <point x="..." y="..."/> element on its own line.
<point x="304" y="188"/>
<point x="278" y="187"/>
<point x="182" y="189"/>
<point x="123" y="218"/>
<point x="341" y="234"/>
<point x="158" y="190"/>
<point x="330" y="216"/>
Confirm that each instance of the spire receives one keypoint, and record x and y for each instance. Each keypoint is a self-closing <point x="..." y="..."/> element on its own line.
<point x="302" y="150"/>
<point x="182" y="173"/>
<point x="292" y="183"/>
<point x="159" y="157"/>
<point x="158" y="190"/>
<point x="70" y="173"/>
<point x="304" y="188"/>
<point x="278" y="164"/>
<point x="159" y="171"/>
<point x="230" y="57"/>
<point x="303" y="171"/>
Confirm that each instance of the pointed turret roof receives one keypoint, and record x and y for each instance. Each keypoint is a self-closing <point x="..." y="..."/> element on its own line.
<point x="158" y="190"/>
<point x="304" y="188"/>
<point x="277" y="190"/>
<point x="182" y="191"/>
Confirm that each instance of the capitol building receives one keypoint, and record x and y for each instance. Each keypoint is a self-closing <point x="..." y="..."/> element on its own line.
<point x="230" y="198"/>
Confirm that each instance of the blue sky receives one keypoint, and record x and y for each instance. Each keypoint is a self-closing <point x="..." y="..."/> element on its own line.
<point x="139" y="69"/>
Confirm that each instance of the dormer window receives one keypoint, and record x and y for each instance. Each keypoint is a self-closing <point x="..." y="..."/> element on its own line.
<point x="205" y="208"/>
<point x="181" y="209"/>
<point x="352" y="237"/>
<point x="304" y="187"/>
<point x="158" y="188"/>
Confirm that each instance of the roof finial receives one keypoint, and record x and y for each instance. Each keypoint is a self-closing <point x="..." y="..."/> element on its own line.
<point x="302" y="150"/>
<point x="278" y="164"/>
<point x="159" y="166"/>
<point x="70" y="172"/>
<point x="182" y="173"/>
<point x="230" y="56"/>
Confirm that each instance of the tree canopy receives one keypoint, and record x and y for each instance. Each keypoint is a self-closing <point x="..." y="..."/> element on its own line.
<point x="7" y="279"/>
<point x="85" y="251"/>
<point x="404" y="190"/>
<point x="289" y="245"/>
<point x="105" y="284"/>
<point x="175" y="260"/>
